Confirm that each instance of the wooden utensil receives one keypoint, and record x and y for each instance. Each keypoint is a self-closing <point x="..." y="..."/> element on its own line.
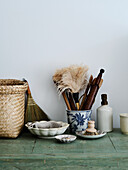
<point x="86" y="92"/>
<point x="66" y="100"/>
<point x="76" y="98"/>
<point x="93" y="92"/>
<point x="71" y="101"/>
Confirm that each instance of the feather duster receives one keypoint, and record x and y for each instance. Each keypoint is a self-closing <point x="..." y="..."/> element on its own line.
<point x="73" y="78"/>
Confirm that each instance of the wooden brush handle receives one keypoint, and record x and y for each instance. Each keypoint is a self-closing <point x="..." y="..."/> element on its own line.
<point x="90" y="98"/>
<point x="76" y="97"/>
<point x="77" y="106"/>
<point x="71" y="102"/>
<point x="66" y="101"/>
<point x="100" y="84"/>
<point x="93" y="92"/>
<point x="86" y="92"/>
<point x="29" y="92"/>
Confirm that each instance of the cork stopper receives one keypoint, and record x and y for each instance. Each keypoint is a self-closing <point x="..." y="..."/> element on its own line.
<point x="104" y="99"/>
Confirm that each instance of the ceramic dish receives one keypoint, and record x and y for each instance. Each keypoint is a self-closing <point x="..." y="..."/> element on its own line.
<point x="65" y="138"/>
<point x="81" y="134"/>
<point x="47" y="129"/>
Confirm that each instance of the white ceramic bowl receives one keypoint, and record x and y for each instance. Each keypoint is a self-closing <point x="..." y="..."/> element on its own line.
<point x="47" y="128"/>
<point x="65" y="138"/>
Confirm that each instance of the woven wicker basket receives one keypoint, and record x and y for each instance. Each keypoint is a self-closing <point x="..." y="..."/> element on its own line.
<point x="12" y="101"/>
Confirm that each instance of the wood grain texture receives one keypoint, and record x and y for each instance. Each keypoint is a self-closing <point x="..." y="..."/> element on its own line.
<point x="29" y="152"/>
<point x="71" y="101"/>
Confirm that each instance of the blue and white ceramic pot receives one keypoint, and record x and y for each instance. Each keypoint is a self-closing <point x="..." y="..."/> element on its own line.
<point x="78" y="119"/>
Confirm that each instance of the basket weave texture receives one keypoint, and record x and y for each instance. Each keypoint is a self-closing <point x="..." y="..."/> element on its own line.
<point x="12" y="101"/>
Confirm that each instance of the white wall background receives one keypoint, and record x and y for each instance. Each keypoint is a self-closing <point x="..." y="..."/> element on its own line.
<point x="39" y="36"/>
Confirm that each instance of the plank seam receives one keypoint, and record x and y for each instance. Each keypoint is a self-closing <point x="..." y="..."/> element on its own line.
<point x="112" y="142"/>
<point x="34" y="146"/>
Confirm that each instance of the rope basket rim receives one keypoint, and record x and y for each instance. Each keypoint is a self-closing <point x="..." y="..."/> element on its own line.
<point x="12" y="86"/>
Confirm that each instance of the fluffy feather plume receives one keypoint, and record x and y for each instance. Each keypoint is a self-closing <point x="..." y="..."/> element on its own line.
<point x="73" y="78"/>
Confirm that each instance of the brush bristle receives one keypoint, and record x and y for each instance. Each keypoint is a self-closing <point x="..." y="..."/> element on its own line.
<point x="72" y="79"/>
<point x="33" y="111"/>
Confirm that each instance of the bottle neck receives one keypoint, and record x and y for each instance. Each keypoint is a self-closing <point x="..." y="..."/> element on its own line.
<point x="104" y="104"/>
<point x="104" y="99"/>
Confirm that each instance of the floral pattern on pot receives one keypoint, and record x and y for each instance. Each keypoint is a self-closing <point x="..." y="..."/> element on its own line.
<point x="78" y="120"/>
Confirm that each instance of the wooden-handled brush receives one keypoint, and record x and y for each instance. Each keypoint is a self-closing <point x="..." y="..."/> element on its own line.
<point x="33" y="111"/>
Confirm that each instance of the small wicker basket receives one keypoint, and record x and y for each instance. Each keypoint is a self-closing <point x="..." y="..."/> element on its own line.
<point x="12" y="101"/>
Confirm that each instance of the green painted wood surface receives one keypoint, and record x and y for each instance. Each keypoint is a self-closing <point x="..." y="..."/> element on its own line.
<point x="30" y="152"/>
